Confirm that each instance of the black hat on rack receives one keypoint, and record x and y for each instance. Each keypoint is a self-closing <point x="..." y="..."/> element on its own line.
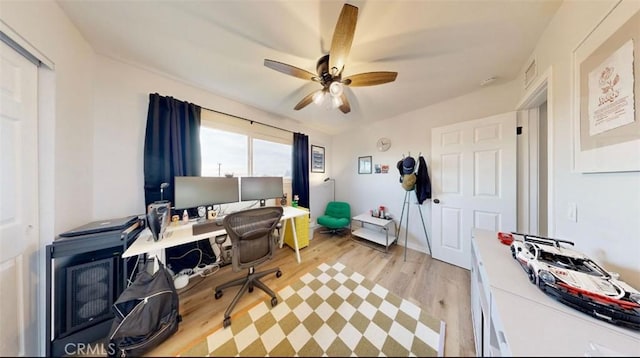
<point x="408" y="165"/>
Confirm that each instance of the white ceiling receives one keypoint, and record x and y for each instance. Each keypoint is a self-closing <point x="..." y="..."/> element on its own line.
<point x="440" y="49"/>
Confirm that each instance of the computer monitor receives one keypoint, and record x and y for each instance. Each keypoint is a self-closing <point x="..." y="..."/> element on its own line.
<point x="260" y="188"/>
<point x="194" y="191"/>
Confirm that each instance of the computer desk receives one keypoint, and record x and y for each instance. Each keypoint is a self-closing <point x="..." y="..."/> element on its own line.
<point x="181" y="233"/>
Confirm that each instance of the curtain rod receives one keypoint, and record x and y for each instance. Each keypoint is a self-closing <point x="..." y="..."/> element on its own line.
<point x="248" y="120"/>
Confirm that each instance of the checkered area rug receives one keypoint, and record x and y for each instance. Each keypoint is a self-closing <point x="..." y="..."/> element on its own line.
<point x="331" y="311"/>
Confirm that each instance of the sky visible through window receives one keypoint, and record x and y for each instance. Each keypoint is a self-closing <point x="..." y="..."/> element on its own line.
<point x="225" y="152"/>
<point x="271" y="159"/>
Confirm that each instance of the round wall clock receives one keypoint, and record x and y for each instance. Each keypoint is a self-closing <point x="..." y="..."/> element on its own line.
<point x="383" y="144"/>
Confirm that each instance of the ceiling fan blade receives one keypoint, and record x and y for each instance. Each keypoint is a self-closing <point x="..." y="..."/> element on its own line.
<point x="370" y="79"/>
<point x="306" y="100"/>
<point x="290" y="70"/>
<point x="345" y="107"/>
<point x="342" y="39"/>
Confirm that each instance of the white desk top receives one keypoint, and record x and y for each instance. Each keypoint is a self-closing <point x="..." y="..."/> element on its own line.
<point x="181" y="233"/>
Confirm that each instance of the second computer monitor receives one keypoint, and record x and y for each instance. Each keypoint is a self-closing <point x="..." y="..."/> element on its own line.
<point x="260" y="188"/>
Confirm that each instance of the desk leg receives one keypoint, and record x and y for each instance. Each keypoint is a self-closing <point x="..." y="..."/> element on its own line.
<point x="295" y="238"/>
<point x="158" y="255"/>
<point x="282" y="231"/>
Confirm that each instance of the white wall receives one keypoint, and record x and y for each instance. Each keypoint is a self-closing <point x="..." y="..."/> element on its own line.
<point x="46" y="28"/>
<point x="608" y="220"/>
<point x="608" y="226"/>
<point x="101" y="111"/>
<point x="120" y="105"/>
<point x="411" y="135"/>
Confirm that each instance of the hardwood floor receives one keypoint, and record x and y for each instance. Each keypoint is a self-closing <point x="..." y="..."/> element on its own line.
<point x="439" y="288"/>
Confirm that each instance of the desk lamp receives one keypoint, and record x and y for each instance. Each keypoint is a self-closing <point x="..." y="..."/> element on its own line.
<point x="163" y="186"/>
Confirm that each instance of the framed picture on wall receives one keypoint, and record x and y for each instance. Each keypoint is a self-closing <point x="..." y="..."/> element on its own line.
<point x="317" y="159"/>
<point x="606" y="94"/>
<point x="364" y="165"/>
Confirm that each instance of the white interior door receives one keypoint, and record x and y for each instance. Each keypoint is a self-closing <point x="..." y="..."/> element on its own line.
<point x="474" y="183"/>
<point x="19" y="260"/>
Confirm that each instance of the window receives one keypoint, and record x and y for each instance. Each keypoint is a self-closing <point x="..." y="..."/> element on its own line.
<point x="224" y="153"/>
<point x="232" y="146"/>
<point x="271" y="159"/>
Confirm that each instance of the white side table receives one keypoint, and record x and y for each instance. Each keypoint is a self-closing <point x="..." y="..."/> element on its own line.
<point x="376" y="230"/>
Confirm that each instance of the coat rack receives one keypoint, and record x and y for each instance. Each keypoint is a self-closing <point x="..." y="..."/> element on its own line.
<point x="406" y="204"/>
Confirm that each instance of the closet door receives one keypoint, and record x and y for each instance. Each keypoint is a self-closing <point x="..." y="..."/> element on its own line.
<point x="19" y="255"/>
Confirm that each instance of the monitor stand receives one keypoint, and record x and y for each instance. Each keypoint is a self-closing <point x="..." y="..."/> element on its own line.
<point x="263" y="202"/>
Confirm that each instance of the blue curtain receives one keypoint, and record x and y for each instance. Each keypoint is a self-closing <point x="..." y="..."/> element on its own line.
<point x="300" y="175"/>
<point x="171" y="146"/>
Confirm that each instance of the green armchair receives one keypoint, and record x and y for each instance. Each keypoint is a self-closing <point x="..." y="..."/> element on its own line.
<point x="337" y="217"/>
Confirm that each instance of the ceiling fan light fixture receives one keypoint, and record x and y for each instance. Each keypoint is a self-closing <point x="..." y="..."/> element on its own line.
<point x="336" y="101"/>
<point x="336" y="89"/>
<point x="318" y="97"/>
<point x="329" y="68"/>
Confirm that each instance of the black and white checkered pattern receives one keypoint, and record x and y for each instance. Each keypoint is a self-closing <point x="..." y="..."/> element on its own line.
<point x="330" y="311"/>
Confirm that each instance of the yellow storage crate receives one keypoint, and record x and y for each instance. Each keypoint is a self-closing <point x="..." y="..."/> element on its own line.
<point x="302" y="231"/>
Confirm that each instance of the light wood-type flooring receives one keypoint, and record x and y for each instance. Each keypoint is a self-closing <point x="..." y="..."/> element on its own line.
<point x="441" y="289"/>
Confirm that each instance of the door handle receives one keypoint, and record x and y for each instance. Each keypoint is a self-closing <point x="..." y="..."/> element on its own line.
<point x="436" y="201"/>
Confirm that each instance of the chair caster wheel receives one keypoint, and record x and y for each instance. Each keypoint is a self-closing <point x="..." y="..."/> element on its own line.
<point x="227" y="322"/>
<point x="274" y="302"/>
<point x="218" y="294"/>
<point x="250" y="288"/>
<point x="278" y="273"/>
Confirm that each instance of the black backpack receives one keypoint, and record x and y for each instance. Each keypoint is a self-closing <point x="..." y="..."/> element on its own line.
<point x="146" y="313"/>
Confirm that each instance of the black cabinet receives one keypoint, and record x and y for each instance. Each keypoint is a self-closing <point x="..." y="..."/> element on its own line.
<point x="85" y="275"/>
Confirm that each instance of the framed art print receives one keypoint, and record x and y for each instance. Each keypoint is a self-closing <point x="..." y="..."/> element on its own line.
<point x="317" y="159"/>
<point x="606" y="94"/>
<point x="364" y="165"/>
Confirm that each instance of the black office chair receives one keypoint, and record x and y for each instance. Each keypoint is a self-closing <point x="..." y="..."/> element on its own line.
<point x="250" y="232"/>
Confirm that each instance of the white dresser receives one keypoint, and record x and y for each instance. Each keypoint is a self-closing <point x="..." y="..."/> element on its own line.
<point x="512" y="317"/>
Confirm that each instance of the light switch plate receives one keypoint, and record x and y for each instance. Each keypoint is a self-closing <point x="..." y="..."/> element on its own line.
<point x="572" y="212"/>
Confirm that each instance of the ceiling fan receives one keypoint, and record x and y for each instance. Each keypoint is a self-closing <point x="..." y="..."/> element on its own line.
<point x="330" y="66"/>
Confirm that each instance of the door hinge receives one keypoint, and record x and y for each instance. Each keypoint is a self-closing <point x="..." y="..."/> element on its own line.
<point x="518" y="130"/>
